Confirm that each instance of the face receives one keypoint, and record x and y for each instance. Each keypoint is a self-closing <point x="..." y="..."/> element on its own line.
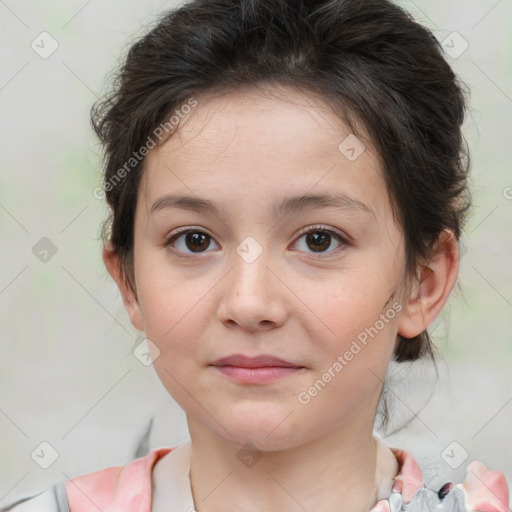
<point x="251" y="264"/>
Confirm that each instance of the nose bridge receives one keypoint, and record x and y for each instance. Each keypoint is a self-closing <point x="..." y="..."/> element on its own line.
<point x="251" y="266"/>
<point x="253" y="297"/>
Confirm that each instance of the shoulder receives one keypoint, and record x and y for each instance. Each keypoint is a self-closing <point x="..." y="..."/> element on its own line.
<point x="118" y="488"/>
<point x="124" y="488"/>
<point x="483" y="489"/>
<point x="53" y="499"/>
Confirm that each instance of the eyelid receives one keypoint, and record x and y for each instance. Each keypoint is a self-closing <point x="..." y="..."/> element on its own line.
<point x="321" y="227"/>
<point x="184" y="229"/>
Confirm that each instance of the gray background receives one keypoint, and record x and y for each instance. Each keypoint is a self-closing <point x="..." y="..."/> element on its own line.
<point x="68" y="375"/>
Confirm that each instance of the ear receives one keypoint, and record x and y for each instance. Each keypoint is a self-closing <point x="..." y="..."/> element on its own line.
<point x="113" y="263"/>
<point x="434" y="284"/>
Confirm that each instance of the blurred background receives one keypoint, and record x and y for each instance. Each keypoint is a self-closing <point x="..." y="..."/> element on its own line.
<point x="74" y="397"/>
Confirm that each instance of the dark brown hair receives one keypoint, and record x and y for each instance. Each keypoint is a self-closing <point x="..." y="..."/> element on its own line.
<point x="369" y="60"/>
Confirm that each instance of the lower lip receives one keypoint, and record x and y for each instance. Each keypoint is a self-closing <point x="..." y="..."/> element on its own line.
<point x="257" y="375"/>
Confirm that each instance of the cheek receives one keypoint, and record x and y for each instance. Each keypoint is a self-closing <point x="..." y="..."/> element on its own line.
<point x="175" y="317"/>
<point x="353" y="302"/>
<point x="351" y="365"/>
<point x="174" y="309"/>
<point x="360" y="325"/>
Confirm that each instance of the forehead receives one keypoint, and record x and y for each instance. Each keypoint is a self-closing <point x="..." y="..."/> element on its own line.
<point x="248" y="145"/>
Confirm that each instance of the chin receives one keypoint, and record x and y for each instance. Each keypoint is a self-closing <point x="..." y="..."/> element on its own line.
<point x="266" y="433"/>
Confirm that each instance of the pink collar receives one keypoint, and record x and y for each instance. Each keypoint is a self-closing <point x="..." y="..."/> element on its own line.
<point x="129" y="488"/>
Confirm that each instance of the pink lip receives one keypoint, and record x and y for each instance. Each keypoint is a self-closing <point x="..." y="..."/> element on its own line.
<point x="255" y="370"/>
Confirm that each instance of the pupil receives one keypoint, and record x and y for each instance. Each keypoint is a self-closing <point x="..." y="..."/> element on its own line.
<point x="319" y="240"/>
<point x="195" y="241"/>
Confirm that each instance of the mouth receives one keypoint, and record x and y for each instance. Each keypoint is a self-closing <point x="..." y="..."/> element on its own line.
<point x="255" y="370"/>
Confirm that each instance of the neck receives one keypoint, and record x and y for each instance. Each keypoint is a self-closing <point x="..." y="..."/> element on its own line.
<point x="338" y="471"/>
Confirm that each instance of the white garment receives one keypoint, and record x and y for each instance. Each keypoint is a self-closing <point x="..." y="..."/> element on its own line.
<point x="53" y="499"/>
<point x="171" y="477"/>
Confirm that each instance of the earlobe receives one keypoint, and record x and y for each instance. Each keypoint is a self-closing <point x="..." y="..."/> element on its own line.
<point x="113" y="264"/>
<point x="432" y="288"/>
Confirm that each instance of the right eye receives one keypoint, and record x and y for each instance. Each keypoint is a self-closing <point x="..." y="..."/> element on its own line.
<point x="187" y="239"/>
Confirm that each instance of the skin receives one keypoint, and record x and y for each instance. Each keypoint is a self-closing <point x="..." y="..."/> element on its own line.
<point x="241" y="151"/>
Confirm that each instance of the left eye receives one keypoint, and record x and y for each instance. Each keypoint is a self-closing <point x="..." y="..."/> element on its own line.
<point x="318" y="240"/>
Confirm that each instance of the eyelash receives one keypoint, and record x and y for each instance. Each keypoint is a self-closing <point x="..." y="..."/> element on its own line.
<point x="304" y="231"/>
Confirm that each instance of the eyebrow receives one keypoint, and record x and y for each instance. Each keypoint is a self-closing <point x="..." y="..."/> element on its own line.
<point x="281" y="207"/>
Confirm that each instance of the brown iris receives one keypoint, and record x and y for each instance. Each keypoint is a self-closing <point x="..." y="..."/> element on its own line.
<point x="196" y="242"/>
<point x="318" y="240"/>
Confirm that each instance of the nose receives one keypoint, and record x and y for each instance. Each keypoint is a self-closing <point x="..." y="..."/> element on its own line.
<point x="253" y="297"/>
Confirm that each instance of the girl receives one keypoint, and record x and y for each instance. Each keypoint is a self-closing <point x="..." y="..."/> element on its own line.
<point x="288" y="187"/>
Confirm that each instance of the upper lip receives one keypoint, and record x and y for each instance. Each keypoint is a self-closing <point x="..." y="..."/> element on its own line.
<point x="253" y="362"/>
